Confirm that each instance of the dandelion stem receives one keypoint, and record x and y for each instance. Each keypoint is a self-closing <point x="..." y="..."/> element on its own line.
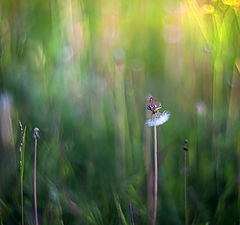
<point x="185" y="187"/>
<point x="35" y="176"/>
<point x="155" y="176"/>
<point x="149" y="173"/>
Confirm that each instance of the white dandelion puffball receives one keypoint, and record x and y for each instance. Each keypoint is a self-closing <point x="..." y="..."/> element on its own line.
<point x="163" y="118"/>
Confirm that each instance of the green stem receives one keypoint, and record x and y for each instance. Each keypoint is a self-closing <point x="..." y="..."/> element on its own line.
<point x="185" y="187"/>
<point x="22" y="199"/>
<point x="237" y="19"/>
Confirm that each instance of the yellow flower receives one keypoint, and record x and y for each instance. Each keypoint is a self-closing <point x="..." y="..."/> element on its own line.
<point x="208" y="9"/>
<point x="227" y="2"/>
<point x="222" y="6"/>
<point x="235" y="3"/>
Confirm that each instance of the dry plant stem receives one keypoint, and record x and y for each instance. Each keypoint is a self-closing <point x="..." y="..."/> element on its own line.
<point x="185" y="187"/>
<point x="155" y="176"/>
<point x="35" y="186"/>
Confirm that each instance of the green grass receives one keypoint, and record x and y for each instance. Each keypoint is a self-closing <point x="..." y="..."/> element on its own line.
<point x="80" y="71"/>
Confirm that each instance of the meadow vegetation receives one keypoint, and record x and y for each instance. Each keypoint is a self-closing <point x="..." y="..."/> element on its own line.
<point x="80" y="71"/>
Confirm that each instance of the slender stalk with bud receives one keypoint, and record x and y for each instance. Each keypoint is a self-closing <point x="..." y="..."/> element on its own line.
<point x="35" y="136"/>
<point x="21" y="150"/>
<point x="185" y="148"/>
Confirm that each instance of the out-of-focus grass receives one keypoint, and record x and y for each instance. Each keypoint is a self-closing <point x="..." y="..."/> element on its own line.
<point x="80" y="71"/>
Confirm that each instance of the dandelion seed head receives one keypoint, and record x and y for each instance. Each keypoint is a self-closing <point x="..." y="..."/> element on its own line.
<point x="159" y="120"/>
<point x="201" y="108"/>
<point x="36" y="130"/>
<point x="36" y="133"/>
<point x="172" y="34"/>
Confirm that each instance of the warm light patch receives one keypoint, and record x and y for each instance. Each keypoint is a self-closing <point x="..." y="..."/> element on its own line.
<point x="227" y="2"/>
<point x="208" y="9"/>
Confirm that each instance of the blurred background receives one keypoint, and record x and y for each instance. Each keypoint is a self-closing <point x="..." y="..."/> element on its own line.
<point x="80" y="71"/>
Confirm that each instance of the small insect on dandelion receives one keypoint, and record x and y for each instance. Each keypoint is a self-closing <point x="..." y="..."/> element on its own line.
<point x="158" y="118"/>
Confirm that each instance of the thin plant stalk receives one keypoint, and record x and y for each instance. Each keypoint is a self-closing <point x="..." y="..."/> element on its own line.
<point x="36" y="136"/>
<point x="158" y="119"/>
<point x="185" y="148"/>
<point x="21" y="149"/>
<point x="155" y="175"/>
<point x="185" y="187"/>
<point x="35" y="185"/>
<point x="120" y="211"/>
<point x="1" y="220"/>
<point x="149" y="172"/>
<point x="22" y="198"/>
<point x="131" y="212"/>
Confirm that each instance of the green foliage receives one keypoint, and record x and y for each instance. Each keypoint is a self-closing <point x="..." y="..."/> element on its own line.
<point x="81" y="71"/>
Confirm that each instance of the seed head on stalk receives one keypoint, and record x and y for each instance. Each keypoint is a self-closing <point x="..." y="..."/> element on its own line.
<point x="156" y="120"/>
<point x="21" y="142"/>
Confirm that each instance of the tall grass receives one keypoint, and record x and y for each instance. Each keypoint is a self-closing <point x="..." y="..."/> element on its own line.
<point x="81" y="70"/>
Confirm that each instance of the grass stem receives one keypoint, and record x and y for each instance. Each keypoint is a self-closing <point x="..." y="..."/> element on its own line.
<point x="22" y="199"/>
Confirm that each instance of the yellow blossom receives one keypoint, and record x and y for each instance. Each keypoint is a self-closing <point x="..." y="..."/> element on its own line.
<point x="235" y="3"/>
<point x="227" y="2"/>
<point x="208" y="9"/>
